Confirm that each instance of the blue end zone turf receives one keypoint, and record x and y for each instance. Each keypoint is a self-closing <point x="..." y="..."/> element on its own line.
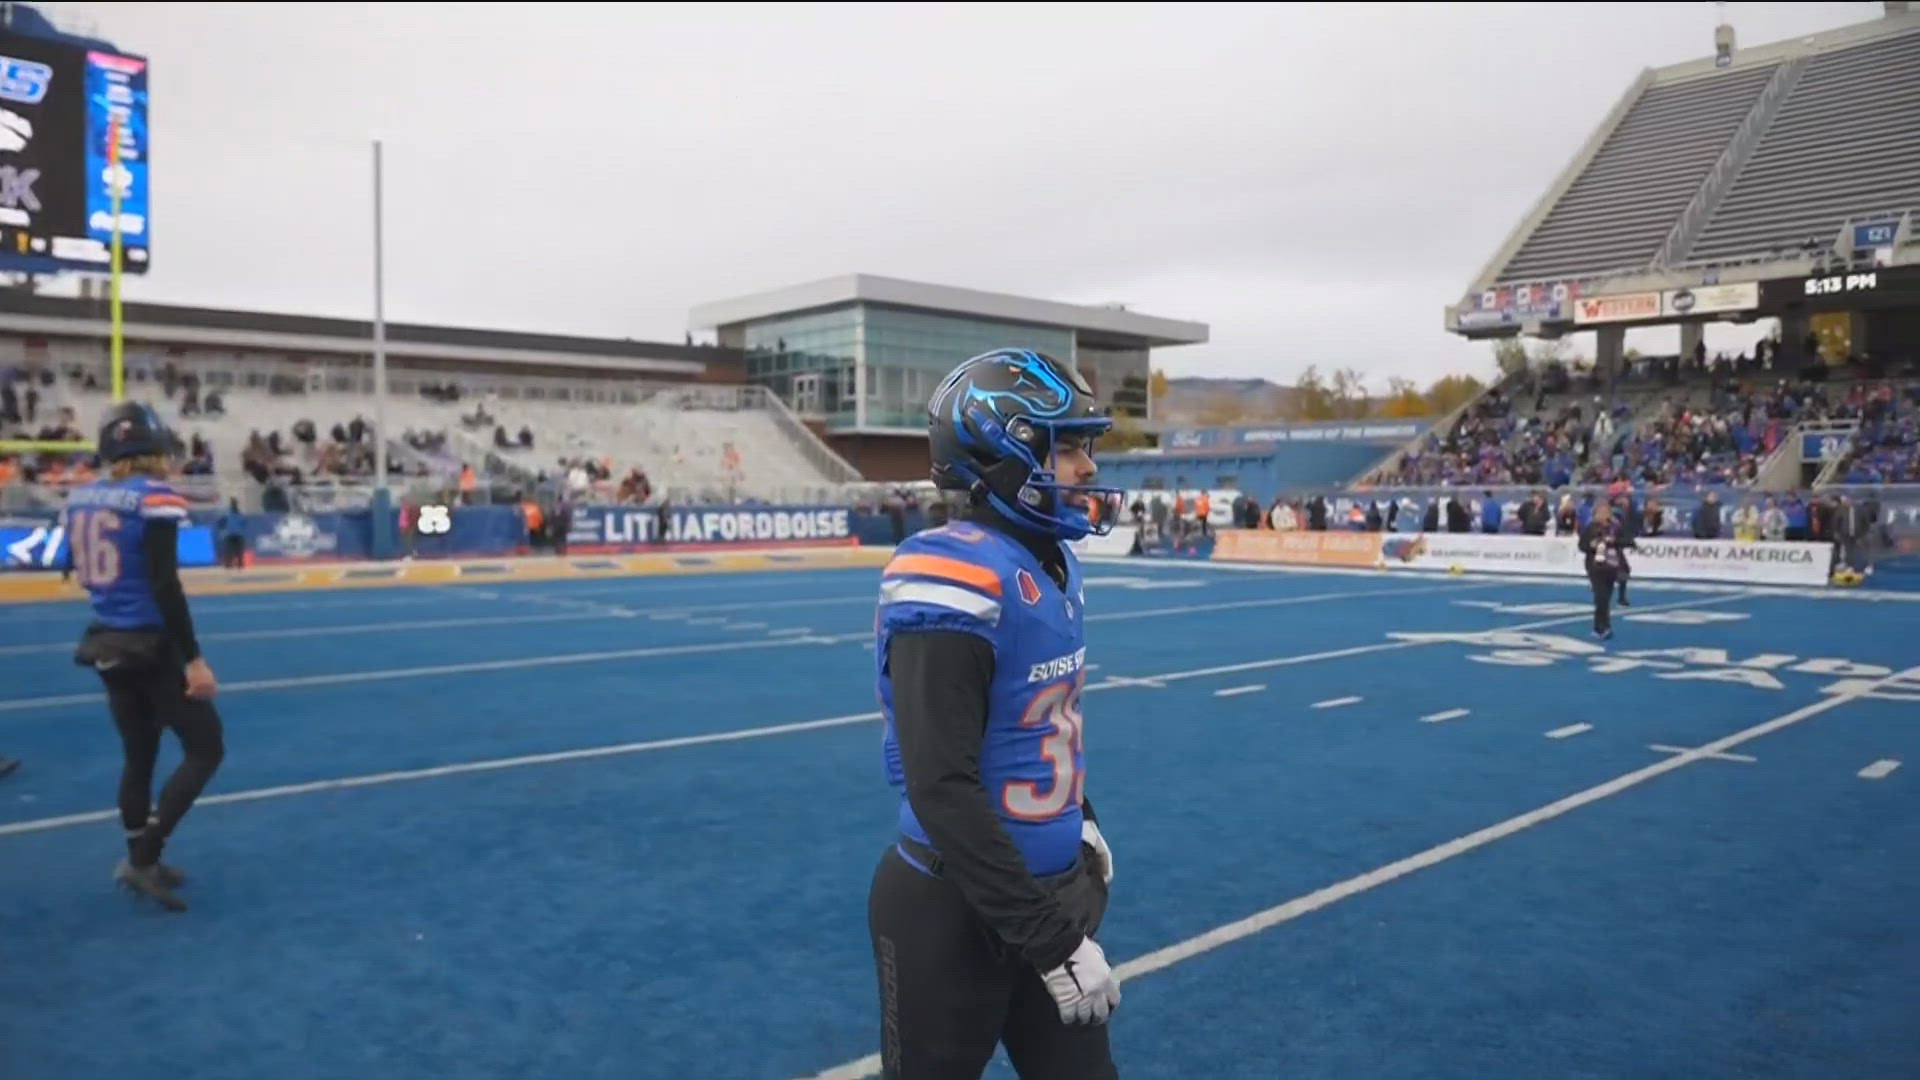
<point x="624" y="828"/>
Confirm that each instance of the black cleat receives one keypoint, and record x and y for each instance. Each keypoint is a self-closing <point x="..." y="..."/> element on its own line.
<point x="8" y="764"/>
<point x="150" y="882"/>
<point x="171" y="876"/>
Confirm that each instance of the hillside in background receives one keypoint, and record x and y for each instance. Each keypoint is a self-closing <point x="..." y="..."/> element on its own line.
<point x="1211" y="402"/>
<point x="1190" y="398"/>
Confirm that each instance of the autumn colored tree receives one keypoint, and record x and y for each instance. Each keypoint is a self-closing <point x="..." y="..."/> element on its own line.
<point x="1450" y="392"/>
<point x="1404" y="400"/>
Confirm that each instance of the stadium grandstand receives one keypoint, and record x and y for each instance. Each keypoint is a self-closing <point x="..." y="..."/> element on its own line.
<point x="1778" y="186"/>
<point x="276" y="411"/>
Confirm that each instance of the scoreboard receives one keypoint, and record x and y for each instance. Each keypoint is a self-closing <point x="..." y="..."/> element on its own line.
<point x="61" y="101"/>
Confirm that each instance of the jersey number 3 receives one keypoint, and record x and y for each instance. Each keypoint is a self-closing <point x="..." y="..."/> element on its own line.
<point x="96" y="559"/>
<point x="1057" y="708"/>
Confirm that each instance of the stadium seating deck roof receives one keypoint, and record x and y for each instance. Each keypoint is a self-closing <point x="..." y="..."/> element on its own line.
<point x="1107" y="322"/>
<point x="1732" y="164"/>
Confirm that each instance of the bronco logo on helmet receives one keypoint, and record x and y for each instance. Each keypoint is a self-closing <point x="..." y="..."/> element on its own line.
<point x="992" y="427"/>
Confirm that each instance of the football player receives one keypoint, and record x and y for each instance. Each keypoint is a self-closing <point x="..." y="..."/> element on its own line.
<point x="983" y="910"/>
<point x="122" y="535"/>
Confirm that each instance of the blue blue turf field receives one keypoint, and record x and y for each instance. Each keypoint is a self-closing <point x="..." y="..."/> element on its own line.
<point x="1526" y="888"/>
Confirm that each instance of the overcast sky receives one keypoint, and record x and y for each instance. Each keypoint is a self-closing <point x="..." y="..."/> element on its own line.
<point x="1314" y="181"/>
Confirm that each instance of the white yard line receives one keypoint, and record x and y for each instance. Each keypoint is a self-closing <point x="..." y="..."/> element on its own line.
<point x="1879" y="770"/>
<point x="1236" y="691"/>
<point x="1110" y="683"/>
<point x="1260" y="921"/>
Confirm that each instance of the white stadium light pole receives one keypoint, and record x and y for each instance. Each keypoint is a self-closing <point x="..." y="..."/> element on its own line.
<point x="379" y="333"/>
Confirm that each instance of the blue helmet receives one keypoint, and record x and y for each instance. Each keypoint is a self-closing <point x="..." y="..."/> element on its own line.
<point x="130" y="430"/>
<point x="991" y="429"/>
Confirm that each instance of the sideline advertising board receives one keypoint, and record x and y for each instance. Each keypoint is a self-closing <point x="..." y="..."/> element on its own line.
<point x="1349" y="549"/>
<point x="1752" y="562"/>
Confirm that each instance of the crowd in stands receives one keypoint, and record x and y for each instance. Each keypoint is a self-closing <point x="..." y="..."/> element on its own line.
<point x="1490" y="445"/>
<point x="1717" y="432"/>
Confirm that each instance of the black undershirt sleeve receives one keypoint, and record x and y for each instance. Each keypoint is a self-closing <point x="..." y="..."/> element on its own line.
<point x="160" y="545"/>
<point x="940" y="682"/>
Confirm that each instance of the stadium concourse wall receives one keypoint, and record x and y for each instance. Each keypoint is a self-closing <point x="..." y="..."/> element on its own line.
<point x="464" y="545"/>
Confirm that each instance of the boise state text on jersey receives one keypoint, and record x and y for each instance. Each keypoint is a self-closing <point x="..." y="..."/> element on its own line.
<point x="106" y="523"/>
<point x="972" y="580"/>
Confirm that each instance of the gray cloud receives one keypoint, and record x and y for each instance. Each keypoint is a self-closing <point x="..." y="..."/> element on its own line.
<point x="1314" y="181"/>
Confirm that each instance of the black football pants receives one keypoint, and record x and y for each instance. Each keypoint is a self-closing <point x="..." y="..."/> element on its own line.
<point x="145" y="702"/>
<point x="1603" y="580"/>
<point x="950" y="991"/>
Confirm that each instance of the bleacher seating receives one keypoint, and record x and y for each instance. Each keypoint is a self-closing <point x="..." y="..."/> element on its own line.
<point x="1641" y="178"/>
<point x="693" y="442"/>
<point x="1845" y="142"/>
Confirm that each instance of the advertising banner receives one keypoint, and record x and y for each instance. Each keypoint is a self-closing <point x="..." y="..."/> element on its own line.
<point x="1483" y="552"/>
<point x="1747" y="561"/>
<point x="44" y="547"/>
<point x="631" y="526"/>
<point x="1117" y="542"/>
<point x="1298" y="548"/>
<point x="1711" y="299"/>
<point x="1753" y="561"/>
<point x="1626" y="307"/>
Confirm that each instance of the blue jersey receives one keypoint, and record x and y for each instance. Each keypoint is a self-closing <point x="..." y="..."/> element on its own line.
<point x="106" y="525"/>
<point x="965" y="578"/>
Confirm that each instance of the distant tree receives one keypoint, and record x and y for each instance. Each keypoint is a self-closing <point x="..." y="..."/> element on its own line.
<point x="1404" y="400"/>
<point x="1510" y="356"/>
<point x="1157" y="385"/>
<point x="1127" y="434"/>
<point x="1349" y="394"/>
<point x="1450" y="392"/>
<point x="1312" y="397"/>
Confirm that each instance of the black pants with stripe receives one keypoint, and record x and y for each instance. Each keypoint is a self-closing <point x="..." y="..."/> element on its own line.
<point x="950" y="991"/>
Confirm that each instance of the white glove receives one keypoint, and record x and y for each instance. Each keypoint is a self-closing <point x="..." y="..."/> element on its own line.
<point x="1090" y="834"/>
<point x="1084" y="987"/>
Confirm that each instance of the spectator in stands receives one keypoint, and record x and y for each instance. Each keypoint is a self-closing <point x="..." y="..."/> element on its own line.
<point x="1489" y="513"/>
<point x="1534" y="515"/>
<point x="233" y="536"/>
<point x="1653" y="520"/>
<point x="1706" y="518"/>
<point x="1799" y="518"/>
<point x="1746" y="521"/>
<point x="1773" y="521"/>
<point x="1282" y="517"/>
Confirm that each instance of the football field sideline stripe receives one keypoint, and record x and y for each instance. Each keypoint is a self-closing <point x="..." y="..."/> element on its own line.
<point x="349" y="628"/>
<point x="1170" y="955"/>
<point x="515" y="663"/>
<point x="736" y="735"/>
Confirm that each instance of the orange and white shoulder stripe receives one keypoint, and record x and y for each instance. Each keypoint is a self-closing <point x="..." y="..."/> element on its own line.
<point x="942" y="581"/>
<point x="163" y="504"/>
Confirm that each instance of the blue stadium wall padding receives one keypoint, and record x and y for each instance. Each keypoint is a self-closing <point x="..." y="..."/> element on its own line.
<point x="383" y="525"/>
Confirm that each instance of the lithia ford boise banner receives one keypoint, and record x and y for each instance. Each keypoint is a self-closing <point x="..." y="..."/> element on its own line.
<point x="632" y="526"/>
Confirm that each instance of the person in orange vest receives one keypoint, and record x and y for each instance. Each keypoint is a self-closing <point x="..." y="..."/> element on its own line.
<point x="1202" y="507"/>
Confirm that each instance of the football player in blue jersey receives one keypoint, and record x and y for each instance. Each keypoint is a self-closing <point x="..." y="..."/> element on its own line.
<point x="984" y="908"/>
<point x="122" y="537"/>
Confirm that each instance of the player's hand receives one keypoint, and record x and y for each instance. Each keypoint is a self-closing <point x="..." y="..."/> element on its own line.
<point x="1090" y="835"/>
<point x="1084" y="987"/>
<point x="200" y="680"/>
